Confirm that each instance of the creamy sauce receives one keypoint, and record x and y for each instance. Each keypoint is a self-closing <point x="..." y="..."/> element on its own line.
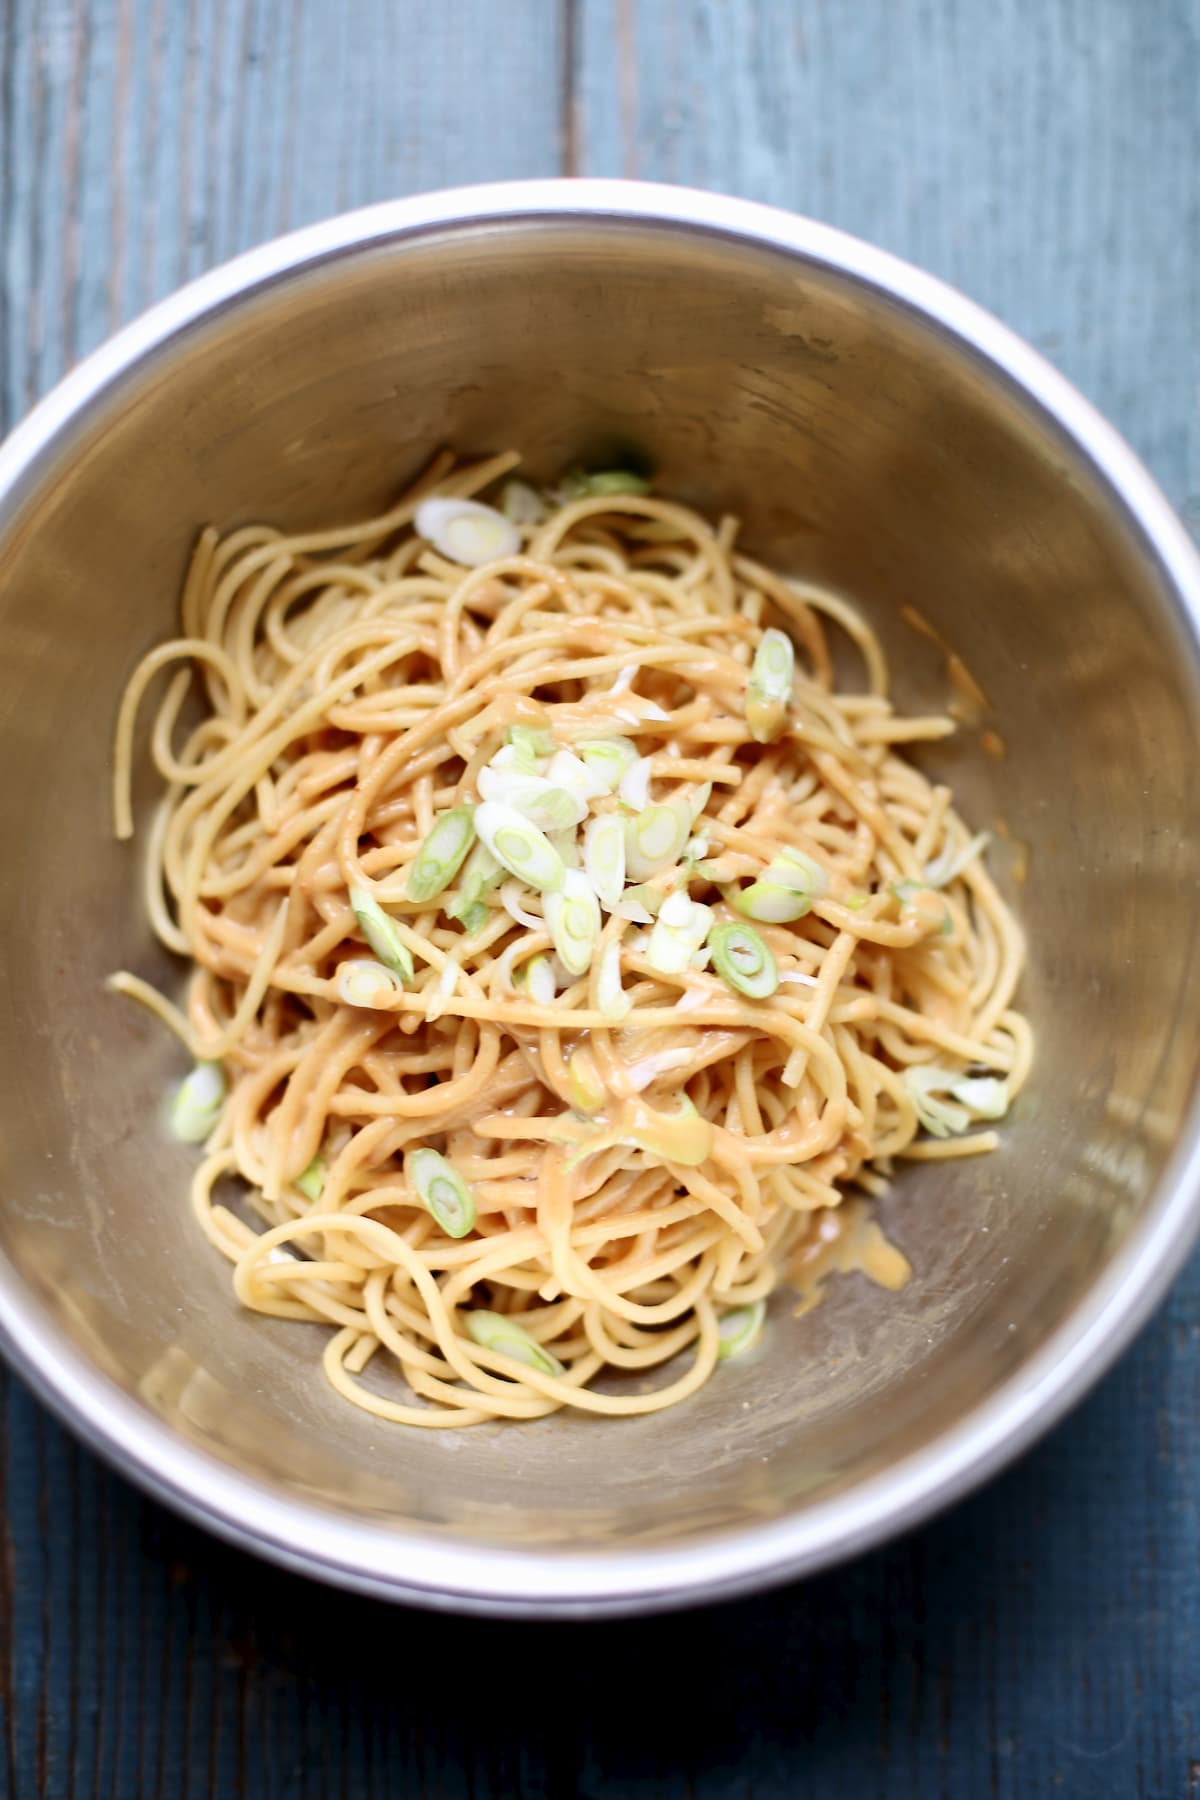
<point x="848" y="1238"/>
<point x="969" y="702"/>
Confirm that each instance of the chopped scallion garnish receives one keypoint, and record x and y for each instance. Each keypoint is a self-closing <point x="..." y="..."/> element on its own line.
<point x="381" y="933"/>
<point x="311" y="1181"/>
<point x="680" y="929"/>
<point x="442" y="854"/>
<point x="609" y="758"/>
<point x="524" y="850"/>
<point x="361" y="982"/>
<point x="522" y="503"/>
<point x="770" y="903"/>
<point x="494" y="1332"/>
<point x="466" y="531"/>
<point x="614" y="1002"/>
<point x="442" y="1190"/>
<point x="604" y="857"/>
<point x="573" y="917"/>
<point x="539" y="979"/>
<point x="197" y="1104"/>
<point x="770" y="687"/>
<point x="615" y="481"/>
<point x="794" y="869"/>
<point x="634" y="784"/>
<point x="740" y="1329"/>
<point x="744" y="959"/>
<point x="655" y="837"/>
<point x="952" y="861"/>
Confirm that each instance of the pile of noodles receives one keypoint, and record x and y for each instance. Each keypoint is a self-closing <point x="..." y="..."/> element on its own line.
<point x="354" y="682"/>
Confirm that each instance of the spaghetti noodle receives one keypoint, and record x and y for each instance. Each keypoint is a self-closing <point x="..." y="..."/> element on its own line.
<point x="560" y="954"/>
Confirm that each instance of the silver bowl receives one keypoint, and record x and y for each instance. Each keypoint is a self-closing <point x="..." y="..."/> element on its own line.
<point x="874" y="430"/>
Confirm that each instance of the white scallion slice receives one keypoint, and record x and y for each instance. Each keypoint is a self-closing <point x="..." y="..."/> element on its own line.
<point x="492" y="1331"/>
<point x="803" y="874"/>
<point x="542" y="802"/>
<point x="984" y="1095"/>
<point x="522" y="503"/>
<point x="573" y="916"/>
<point x="604" y="857"/>
<point x="361" y="982"/>
<point x="196" y="1106"/>
<point x="539" y="980"/>
<point x="614" y="1002"/>
<point x="655" y="837"/>
<point x="311" y="1181"/>
<point x="634" y="785"/>
<point x="442" y="854"/>
<point x="479" y="874"/>
<point x="740" y="1329"/>
<point x="525" y="851"/>
<point x="442" y="1190"/>
<point x="572" y="772"/>
<point x="608" y="758"/>
<point x="679" y="930"/>
<point x="443" y="987"/>
<point x="381" y="933"/>
<point x="952" y="861"/>
<point x="771" y="904"/>
<point x="770" y="687"/>
<point x="926" y="1083"/>
<point x="744" y="959"/>
<point x="466" y="531"/>
<point x="616" y="481"/>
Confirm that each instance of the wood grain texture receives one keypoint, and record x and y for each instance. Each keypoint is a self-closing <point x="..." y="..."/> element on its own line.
<point x="1044" y="1638"/>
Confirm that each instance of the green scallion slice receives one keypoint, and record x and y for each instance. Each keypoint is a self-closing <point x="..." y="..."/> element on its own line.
<point x="442" y="854"/>
<point x="769" y="690"/>
<point x="744" y="959"/>
<point x="494" y="1332"/>
<point x="771" y="904"/>
<point x="616" y="481"/>
<point x="740" y="1329"/>
<point x="442" y="1190"/>
<point x="312" y="1180"/>
<point x="525" y="851"/>
<point x="197" y="1104"/>
<point x="573" y="916"/>
<point x="381" y="933"/>
<point x="604" y="857"/>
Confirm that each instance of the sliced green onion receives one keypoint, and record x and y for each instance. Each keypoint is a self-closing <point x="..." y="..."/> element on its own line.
<point x="952" y="861"/>
<point x="472" y="917"/>
<point x="524" y="850"/>
<point x="744" y="959"/>
<point x="569" y="771"/>
<point x="604" y="857"/>
<point x="615" y="481"/>
<point x="528" y="742"/>
<point x="855" y="902"/>
<point x="311" y="1181"/>
<point x="680" y="929"/>
<point x="985" y="1095"/>
<point x="381" y="933"/>
<point x="941" y="1118"/>
<point x="573" y="917"/>
<point x="609" y="758"/>
<point x="479" y="874"/>
<point x="567" y="844"/>
<point x="361" y="982"/>
<point x="197" y="1103"/>
<point x="771" y="904"/>
<point x="587" y="1090"/>
<point x="443" y="987"/>
<point x="770" y="687"/>
<point x="640" y="904"/>
<point x="522" y="503"/>
<point x="542" y="802"/>
<point x="654" y="839"/>
<point x="634" y="786"/>
<point x="803" y="874"/>
<point x="494" y="1332"/>
<point x="442" y="1190"/>
<point x="614" y="1001"/>
<point x="739" y="1329"/>
<point x="442" y="854"/>
<point x="538" y="977"/>
<point x="466" y="531"/>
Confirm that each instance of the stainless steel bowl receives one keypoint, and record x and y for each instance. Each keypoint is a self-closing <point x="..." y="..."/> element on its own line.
<point x="874" y="430"/>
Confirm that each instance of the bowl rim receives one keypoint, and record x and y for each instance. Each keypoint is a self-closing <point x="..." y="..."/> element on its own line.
<point x="465" y="1574"/>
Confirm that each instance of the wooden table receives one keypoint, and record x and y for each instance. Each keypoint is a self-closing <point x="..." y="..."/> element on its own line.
<point x="1044" y="1638"/>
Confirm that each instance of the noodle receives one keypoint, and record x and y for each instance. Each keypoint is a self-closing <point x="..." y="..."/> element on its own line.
<point x="641" y="1172"/>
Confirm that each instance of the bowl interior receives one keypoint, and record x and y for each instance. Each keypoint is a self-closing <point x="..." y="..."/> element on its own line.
<point x="861" y="444"/>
